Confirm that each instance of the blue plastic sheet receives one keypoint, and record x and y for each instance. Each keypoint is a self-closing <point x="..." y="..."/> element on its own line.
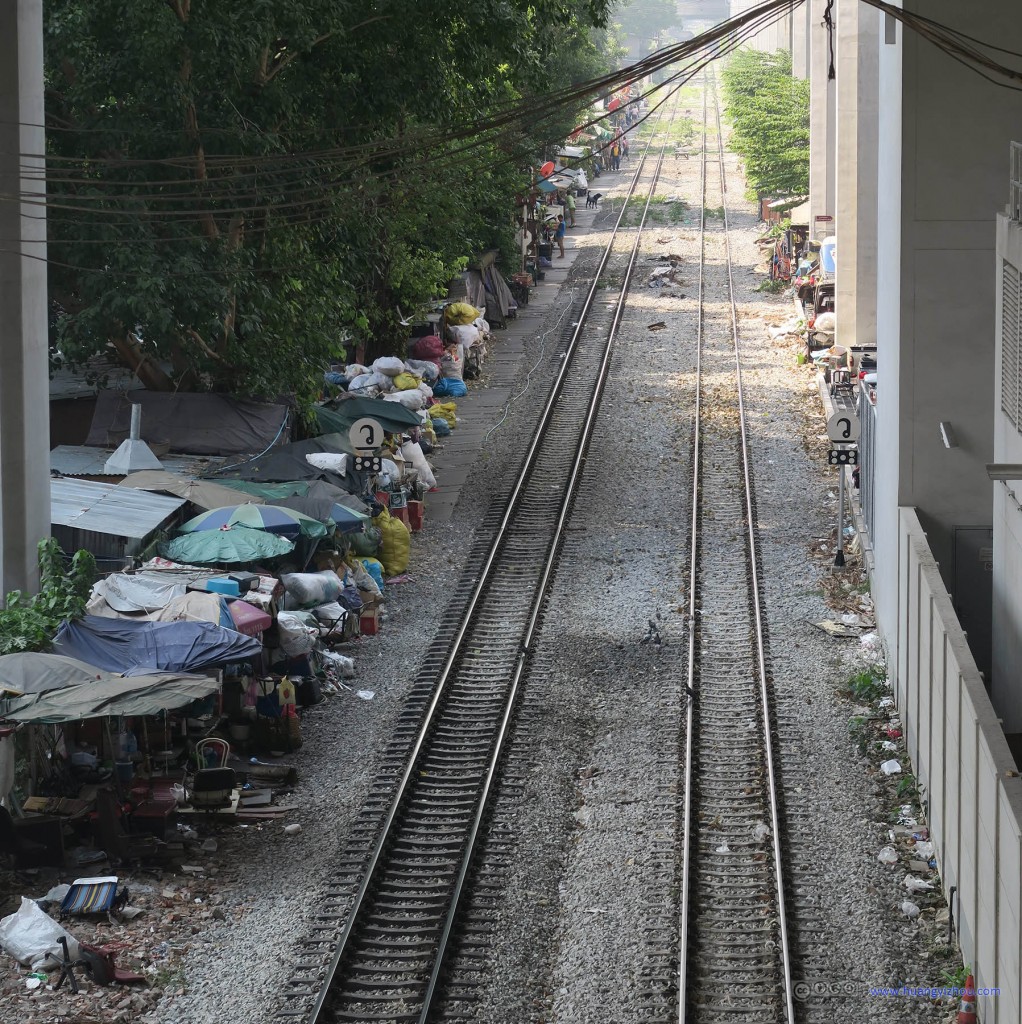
<point x="137" y="648"/>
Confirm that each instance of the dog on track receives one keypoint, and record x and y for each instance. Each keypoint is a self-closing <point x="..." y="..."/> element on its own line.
<point x="593" y="199"/>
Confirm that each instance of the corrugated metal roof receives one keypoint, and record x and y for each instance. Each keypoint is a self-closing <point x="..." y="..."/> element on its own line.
<point x="107" y="509"/>
<point x="82" y="460"/>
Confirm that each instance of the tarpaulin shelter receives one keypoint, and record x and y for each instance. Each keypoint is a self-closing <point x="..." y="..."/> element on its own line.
<point x="288" y="462"/>
<point x="110" y="695"/>
<point x="204" y="493"/>
<point x="198" y="423"/>
<point x="34" y="672"/>
<point x="135" y="648"/>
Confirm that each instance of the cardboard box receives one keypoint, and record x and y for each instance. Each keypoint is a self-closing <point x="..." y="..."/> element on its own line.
<point x="369" y="621"/>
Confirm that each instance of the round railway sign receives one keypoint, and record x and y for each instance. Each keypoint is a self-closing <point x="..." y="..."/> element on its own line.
<point x="365" y="434"/>
<point x="843" y="428"/>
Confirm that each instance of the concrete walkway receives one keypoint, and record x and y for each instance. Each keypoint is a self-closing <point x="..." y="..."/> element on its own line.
<point x="482" y="406"/>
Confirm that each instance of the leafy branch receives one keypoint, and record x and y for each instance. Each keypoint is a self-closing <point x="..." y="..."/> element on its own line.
<point x="29" y="623"/>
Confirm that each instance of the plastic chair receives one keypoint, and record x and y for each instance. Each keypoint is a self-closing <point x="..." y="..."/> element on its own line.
<point x="218" y="748"/>
<point x="211" y="787"/>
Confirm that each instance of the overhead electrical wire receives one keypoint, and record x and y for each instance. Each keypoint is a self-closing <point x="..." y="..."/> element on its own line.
<point x="297" y="188"/>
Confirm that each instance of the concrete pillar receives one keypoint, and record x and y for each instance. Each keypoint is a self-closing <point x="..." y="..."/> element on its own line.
<point x="858" y="108"/>
<point x="800" y="41"/>
<point x="24" y="380"/>
<point x="822" y="125"/>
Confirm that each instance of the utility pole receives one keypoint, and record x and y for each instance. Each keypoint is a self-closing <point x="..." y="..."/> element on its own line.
<point x="24" y="370"/>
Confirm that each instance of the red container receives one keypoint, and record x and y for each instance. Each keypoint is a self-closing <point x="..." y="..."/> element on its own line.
<point x="249" y="619"/>
<point x="416" y="515"/>
<point x="369" y="621"/>
<point x="383" y="497"/>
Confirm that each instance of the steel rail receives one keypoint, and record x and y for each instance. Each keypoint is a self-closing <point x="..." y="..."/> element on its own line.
<point x="757" y="605"/>
<point x="694" y="610"/>
<point x="454" y="652"/>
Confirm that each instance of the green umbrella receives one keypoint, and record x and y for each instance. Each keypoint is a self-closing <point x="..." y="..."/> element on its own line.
<point x="272" y="518"/>
<point x="235" y="545"/>
<point x="339" y="415"/>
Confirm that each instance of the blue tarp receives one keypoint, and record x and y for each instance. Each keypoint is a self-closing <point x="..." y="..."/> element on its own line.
<point x="136" y="648"/>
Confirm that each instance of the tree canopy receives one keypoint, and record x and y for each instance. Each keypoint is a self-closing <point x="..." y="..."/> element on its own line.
<point x="769" y="113"/>
<point x="236" y="188"/>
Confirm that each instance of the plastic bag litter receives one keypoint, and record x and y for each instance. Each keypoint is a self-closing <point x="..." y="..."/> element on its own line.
<point x="32" y="937"/>
<point x="466" y="335"/>
<point x="760" y="832"/>
<point x="374" y="567"/>
<point x="428" y="349"/>
<point x="461" y="313"/>
<point x="891" y="767"/>
<point x="412" y="399"/>
<point x="312" y="588"/>
<point x="425" y="368"/>
<point x="391" y="366"/>
<point x="343" y="664"/>
<point x="355" y="370"/>
<point x="450" y="387"/>
<point x="446" y="411"/>
<point x="723" y="848"/>
<point x="888" y="855"/>
<point x="296" y="638"/>
<point x="909" y="909"/>
<point x="406" y="381"/>
<point x="335" y="462"/>
<point x="390" y="473"/>
<point x="396" y="544"/>
<point x="361" y="382"/>
<point x="914" y="884"/>
<point x="364" y="580"/>
<point x="413" y="454"/>
<point x="925" y="849"/>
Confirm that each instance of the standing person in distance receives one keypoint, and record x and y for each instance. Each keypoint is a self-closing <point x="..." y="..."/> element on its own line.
<point x="559" y="234"/>
<point x="570" y="200"/>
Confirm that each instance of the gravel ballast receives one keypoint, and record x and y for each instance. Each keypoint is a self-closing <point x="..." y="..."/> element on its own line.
<point x="591" y="889"/>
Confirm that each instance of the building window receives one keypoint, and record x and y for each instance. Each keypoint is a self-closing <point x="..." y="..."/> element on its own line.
<point x="1011" y="341"/>
<point x="890" y="29"/>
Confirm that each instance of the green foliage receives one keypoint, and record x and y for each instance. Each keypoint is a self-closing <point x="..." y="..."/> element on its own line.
<point x="29" y="623"/>
<point x="242" y="187"/>
<point x="769" y="113"/>
<point x="868" y="686"/>
<point x="958" y="977"/>
<point x="773" y="287"/>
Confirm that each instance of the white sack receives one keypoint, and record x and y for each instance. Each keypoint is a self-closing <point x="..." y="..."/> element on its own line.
<point x="389" y="365"/>
<point x="31" y="936"/>
<point x="413" y="400"/>
<point x="333" y="461"/>
<point x="413" y="454"/>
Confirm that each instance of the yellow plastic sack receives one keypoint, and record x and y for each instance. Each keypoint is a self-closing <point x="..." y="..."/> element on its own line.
<point x="461" y="313"/>
<point x="396" y="544"/>
<point x="445" y="411"/>
<point x="406" y="382"/>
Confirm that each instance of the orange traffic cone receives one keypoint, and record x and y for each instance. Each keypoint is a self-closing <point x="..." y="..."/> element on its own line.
<point x="967" y="1007"/>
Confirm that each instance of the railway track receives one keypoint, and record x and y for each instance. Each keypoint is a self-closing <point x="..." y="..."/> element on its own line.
<point x="381" y="934"/>
<point x="735" y="960"/>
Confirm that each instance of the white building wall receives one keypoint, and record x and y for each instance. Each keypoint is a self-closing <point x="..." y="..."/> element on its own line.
<point x="800" y="41"/>
<point x="888" y="315"/>
<point x="822" y="125"/>
<point x="1006" y="688"/>
<point x="858" y="104"/>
